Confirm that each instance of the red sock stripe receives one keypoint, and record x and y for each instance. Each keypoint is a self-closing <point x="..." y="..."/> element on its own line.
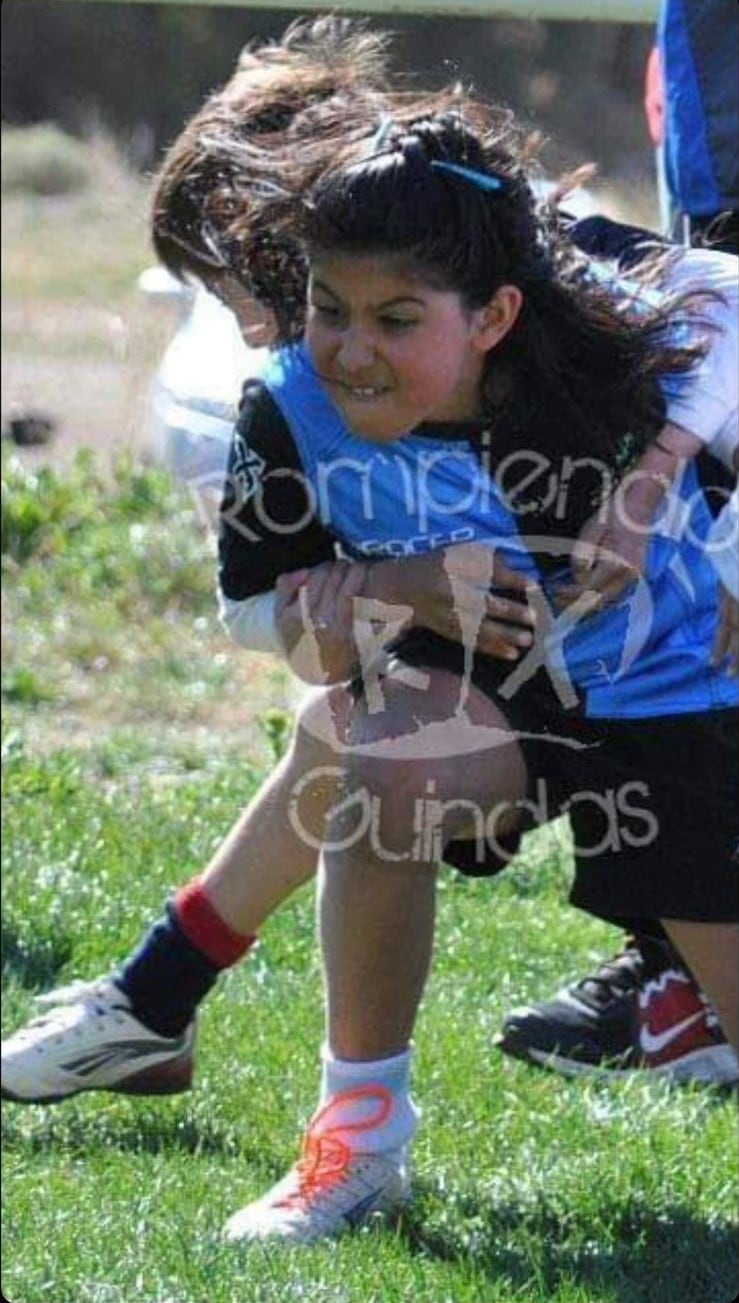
<point x="205" y="929"/>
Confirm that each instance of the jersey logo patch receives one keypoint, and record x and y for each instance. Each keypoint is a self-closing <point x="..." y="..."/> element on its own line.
<point x="247" y="469"/>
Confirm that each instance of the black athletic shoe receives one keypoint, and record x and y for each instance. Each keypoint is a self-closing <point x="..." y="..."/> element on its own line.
<point x="641" y="1010"/>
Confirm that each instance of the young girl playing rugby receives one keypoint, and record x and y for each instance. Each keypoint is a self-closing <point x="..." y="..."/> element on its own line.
<point x="438" y="310"/>
<point x="447" y="333"/>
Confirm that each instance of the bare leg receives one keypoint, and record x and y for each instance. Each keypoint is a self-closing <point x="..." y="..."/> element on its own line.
<point x="377" y="932"/>
<point x="711" y="951"/>
<point x="376" y="886"/>
<point x="273" y="847"/>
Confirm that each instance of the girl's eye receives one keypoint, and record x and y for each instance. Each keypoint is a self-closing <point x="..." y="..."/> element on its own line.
<point x="398" y="323"/>
<point x="325" y="311"/>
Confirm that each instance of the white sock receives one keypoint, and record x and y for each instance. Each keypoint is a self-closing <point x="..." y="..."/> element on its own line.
<point x="367" y="1103"/>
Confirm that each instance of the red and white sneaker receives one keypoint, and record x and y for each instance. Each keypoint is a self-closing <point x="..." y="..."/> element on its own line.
<point x="639" y="1011"/>
<point x="333" y="1186"/>
<point x="679" y="1032"/>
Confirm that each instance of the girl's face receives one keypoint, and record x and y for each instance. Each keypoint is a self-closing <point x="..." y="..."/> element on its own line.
<point x="393" y="351"/>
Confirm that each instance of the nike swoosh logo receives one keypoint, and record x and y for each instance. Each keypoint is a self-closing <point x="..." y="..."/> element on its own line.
<point x="652" y="1044"/>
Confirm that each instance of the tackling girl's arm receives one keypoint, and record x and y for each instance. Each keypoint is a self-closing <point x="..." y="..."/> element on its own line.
<point x="702" y="411"/>
<point x="283" y="589"/>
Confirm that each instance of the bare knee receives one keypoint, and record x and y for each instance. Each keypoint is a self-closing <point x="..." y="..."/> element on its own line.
<point x="407" y="780"/>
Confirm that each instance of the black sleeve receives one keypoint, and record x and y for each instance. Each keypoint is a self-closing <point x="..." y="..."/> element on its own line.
<point x="267" y="524"/>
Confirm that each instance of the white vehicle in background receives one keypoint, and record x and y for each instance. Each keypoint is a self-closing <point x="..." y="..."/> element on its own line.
<point x="196" y="390"/>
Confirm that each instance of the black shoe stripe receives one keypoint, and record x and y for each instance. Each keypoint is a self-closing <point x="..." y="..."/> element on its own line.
<point x="121" y="1051"/>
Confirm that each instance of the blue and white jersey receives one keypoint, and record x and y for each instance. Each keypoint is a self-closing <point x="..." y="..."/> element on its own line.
<point x="648" y="655"/>
<point x="414" y="495"/>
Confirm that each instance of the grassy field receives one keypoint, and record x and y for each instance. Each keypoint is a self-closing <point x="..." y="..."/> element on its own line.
<point x="132" y="735"/>
<point x="79" y="339"/>
<point x="528" y="1187"/>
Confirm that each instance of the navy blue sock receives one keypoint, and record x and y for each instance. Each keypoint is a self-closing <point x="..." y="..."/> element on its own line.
<point x="166" y="977"/>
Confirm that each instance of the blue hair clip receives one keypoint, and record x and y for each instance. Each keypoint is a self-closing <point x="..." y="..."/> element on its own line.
<point x="483" y="180"/>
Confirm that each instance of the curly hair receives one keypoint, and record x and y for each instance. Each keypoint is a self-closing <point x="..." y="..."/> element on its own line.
<point x="219" y="201"/>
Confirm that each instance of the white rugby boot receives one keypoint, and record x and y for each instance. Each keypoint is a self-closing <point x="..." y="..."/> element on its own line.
<point x="334" y="1186"/>
<point x="88" y="1038"/>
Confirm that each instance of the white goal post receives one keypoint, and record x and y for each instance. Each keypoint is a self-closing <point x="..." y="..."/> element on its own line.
<point x="618" y="11"/>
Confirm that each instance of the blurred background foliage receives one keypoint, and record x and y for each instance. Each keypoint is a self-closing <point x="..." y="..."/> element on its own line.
<point x="136" y="71"/>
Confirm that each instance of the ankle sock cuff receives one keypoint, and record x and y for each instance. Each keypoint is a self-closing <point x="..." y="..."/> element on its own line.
<point x="394" y="1069"/>
<point x="205" y="929"/>
<point x="354" y="1099"/>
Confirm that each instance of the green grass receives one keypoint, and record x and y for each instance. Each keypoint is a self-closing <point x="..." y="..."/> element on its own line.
<point x="110" y="613"/>
<point x="528" y="1187"/>
<point x="80" y="341"/>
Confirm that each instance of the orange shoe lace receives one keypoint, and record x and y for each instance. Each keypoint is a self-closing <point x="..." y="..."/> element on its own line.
<point x="324" y="1157"/>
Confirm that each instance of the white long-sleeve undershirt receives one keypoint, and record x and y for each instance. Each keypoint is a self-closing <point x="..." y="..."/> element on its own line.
<point x="251" y="623"/>
<point x="708" y="402"/>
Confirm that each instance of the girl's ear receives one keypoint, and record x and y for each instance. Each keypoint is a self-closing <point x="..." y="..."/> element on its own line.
<point x="497" y="317"/>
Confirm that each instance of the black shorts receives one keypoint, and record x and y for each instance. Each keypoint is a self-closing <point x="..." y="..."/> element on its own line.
<point x="653" y="803"/>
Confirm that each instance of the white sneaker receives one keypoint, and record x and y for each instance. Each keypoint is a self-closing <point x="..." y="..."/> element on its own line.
<point x="90" y="1040"/>
<point x="331" y="1189"/>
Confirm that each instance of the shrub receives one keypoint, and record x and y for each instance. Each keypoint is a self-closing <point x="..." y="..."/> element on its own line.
<point x="41" y="510"/>
<point x="43" y="160"/>
<point x="24" y="686"/>
<point x="72" y="535"/>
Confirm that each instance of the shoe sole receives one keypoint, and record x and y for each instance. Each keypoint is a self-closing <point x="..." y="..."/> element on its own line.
<point x="710" y="1066"/>
<point x="150" y="1081"/>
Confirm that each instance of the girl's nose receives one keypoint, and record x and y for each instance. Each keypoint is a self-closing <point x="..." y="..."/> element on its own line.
<point x="356" y="351"/>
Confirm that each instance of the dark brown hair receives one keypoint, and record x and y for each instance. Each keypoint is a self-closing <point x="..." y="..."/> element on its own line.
<point x="309" y="147"/>
<point x="219" y="201"/>
<point x="579" y="370"/>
